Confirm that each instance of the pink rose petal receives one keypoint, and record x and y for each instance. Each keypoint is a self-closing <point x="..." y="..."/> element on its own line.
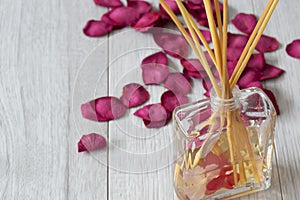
<point x="257" y="62"/>
<point x="267" y="44"/>
<point x="155" y="69"/>
<point x="95" y="28"/>
<point x="121" y="16"/>
<point x="91" y="142"/>
<point x="170" y="101"/>
<point x="245" y="22"/>
<point x="271" y="96"/>
<point x="270" y="71"/>
<point x="193" y="65"/>
<point x="293" y="49"/>
<point x="108" y="3"/>
<point x="173" y="44"/>
<point x="103" y="109"/>
<point x="141" y="7"/>
<point x="192" y="74"/>
<point x="205" y="33"/>
<point x="147" y="21"/>
<point x="233" y="54"/>
<point x="173" y="5"/>
<point x="177" y="83"/>
<point x="237" y="40"/>
<point x="134" y="95"/>
<point x="153" y="115"/>
<point x="249" y="77"/>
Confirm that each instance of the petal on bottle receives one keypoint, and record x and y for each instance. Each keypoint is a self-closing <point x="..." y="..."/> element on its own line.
<point x="91" y="142"/>
<point x="103" y="109"/>
<point x="178" y="84"/>
<point x="170" y="101"/>
<point x="142" y="7"/>
<point x="121" y="16"/>
<point x="267" y="44"/>
<point x="147" y="21"/>
<point x="270" y="71"/>
<point x="245" y="22"/>
<point x="173" y="44"/>
<point x="237" y="40"/>
<point x="108" y="3"/>
<point x="94" y="28"/>
<point x="293" y="49"/>
<point x="273" y="99"/>
<point x="134" y="95"/>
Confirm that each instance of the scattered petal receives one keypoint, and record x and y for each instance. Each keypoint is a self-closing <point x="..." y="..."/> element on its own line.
<point x="141" y="7"/>
<point x="177" y="83"/>
<point x="192" y="65"/>
<point x="94" y="28"/>
<point x="134" y="95"/>
<point x="257" y="62"/>
<point x="173" y="5"/>
<point x="237" y="40"/>
<point x="206" y="34"/>
<point x="271" y="96"/>
<point x="249" y="78"/>
<point x="91" y="142"/>
<point x="245" y="22"/>
<point x="153" y="115"/>
<point x="267" y="44"/>
<point x="147" y="21"/>
<point x="192" y="74"/>
<point x="233" y="54"/>
<point x="108" y="3"/>
<point x="270" y="71"/>
<point x="173" y="44"/>
<point x="159" y="58"/>
<point x="103" y="109"/>
<point x="121" y="16"/>
<point x="170" y="101"/>
<point x="293" y="49"/>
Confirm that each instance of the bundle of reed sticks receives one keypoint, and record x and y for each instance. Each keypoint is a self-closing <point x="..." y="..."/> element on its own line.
<point x="239" y="145"/>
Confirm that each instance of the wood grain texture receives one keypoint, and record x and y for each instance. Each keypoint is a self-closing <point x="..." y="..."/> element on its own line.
<point x="48" y="68"/>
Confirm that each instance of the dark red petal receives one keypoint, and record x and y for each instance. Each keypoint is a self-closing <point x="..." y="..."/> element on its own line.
<point x="249" y="77"/>
<point x="237" y="40"/>
<point x="154" y="73"/>
<point x="233" y="54"/>
<point x="170" y="101"/>
<point x="215" y="184"/>
<point x="270" y="71"/>
<point x="141" y="7"/>
<point x="257" y="62"/>
<point x="173" y="44"/>
<point x="198" y="12"/>
<point x="271" y="96"/>
<point x="191" y="74"/>
<point x="173" y="5"/>
<point x="91" y="142"/>
<point x="108" y="3"/>
<point x="134" y="95"/>
<point x="121" y="16"/>
<point x="293" y="49"/>
<point x="205" y="33"/>
<point x="245" y="22"/>
<point x="267" y="44"/>
<point x="154" y="124"/>
<point x="103" y="109"/>
<point x="147" y="21"/>
<point x="193" y="65"/>
<point x="95" y="28"/>
<point x="177" y="83"/>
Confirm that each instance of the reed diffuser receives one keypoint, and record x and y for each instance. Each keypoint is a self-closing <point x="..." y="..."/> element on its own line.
<point x="224" y="145"/>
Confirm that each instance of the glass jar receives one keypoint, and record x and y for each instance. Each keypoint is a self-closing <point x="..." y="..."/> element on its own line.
<point x="223" y="147"/>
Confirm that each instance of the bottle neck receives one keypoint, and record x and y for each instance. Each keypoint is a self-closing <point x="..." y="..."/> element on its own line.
<point x="227" y="104"/>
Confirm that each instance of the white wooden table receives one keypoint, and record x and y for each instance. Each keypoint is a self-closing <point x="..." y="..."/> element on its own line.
<point x="46" y="73"/>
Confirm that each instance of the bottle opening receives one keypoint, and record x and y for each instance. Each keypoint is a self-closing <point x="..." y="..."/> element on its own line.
<point x="230" y="104"/>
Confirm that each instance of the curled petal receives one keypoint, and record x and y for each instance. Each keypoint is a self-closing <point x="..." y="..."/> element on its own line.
<point x="147" y="21"/>
<point x="293" y="49"/>
<point x="159" y="58"/>
<point x="257" y="62"/>
<point x="271" y="96"/>
<point x="270" y="71"/>
<point x="153" y="115"/>
<point x="94" y="28"/>
<point x="267" y="44"/>
<point x="141" y="7"/>
<point x="108" y="3"/>
<point x="121" y="16"/>
<point x="170" y="101"/>
<point x="237" y="40"/>
<point x="193" y="65"/>
<point x="178" y="84"/>
<point x="233" y="54"/>
<point x="245" y="22"/>
<point x="91" y="142"/>
<point x="173" y="44"/>
<point x="191" y="74"/>
<point x="103" y="109"/>
<point x="134" y="95"/>
<point x="173" y="5"/>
